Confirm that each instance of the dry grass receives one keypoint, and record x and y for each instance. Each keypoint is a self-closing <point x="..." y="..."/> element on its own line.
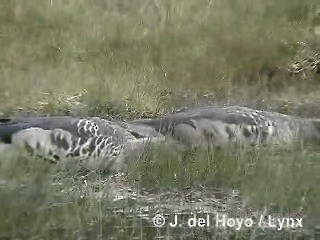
<point x="119" y="59"/>
<point x="148" y="54"/>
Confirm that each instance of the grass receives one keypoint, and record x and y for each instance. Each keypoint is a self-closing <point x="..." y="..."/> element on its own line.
<point x="287" y="177"/>
<point x="41" y="201"/>
<point x="147" y="56"/>
<point x="122" y="60"/>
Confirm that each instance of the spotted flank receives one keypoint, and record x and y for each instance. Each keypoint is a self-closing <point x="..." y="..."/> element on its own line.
<point x="88" y="140"/>
<point x="221" y="125"/>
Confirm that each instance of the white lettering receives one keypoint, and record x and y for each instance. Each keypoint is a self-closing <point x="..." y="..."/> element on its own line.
<point x="192" y="221"/>
<point x="248" y="222"/>
<point x="220" y="221"/>
<point x="271" y="222"/>
<point x="231" y="222"/>
<point x="175" y="223"/>
<point x="280" y="223"/>
<point x="201" y="222"/>
<point x="299" y="222"/>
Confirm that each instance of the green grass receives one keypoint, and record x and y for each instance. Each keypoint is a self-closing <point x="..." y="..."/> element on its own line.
<point x="146" y="55"/>
<point x="40" y="200"/>
<point x="122" y="60"/>
<point x="266" y="175"/>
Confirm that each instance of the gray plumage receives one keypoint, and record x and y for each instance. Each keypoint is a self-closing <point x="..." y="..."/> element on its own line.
<point x="96" y="142"/>
<point x="216" y="125"/>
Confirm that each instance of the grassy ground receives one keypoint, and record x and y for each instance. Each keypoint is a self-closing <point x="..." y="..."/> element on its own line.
<point x="146" y="56"/>
<point x="44" y="201"/>
<point x="115" y="58"/>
